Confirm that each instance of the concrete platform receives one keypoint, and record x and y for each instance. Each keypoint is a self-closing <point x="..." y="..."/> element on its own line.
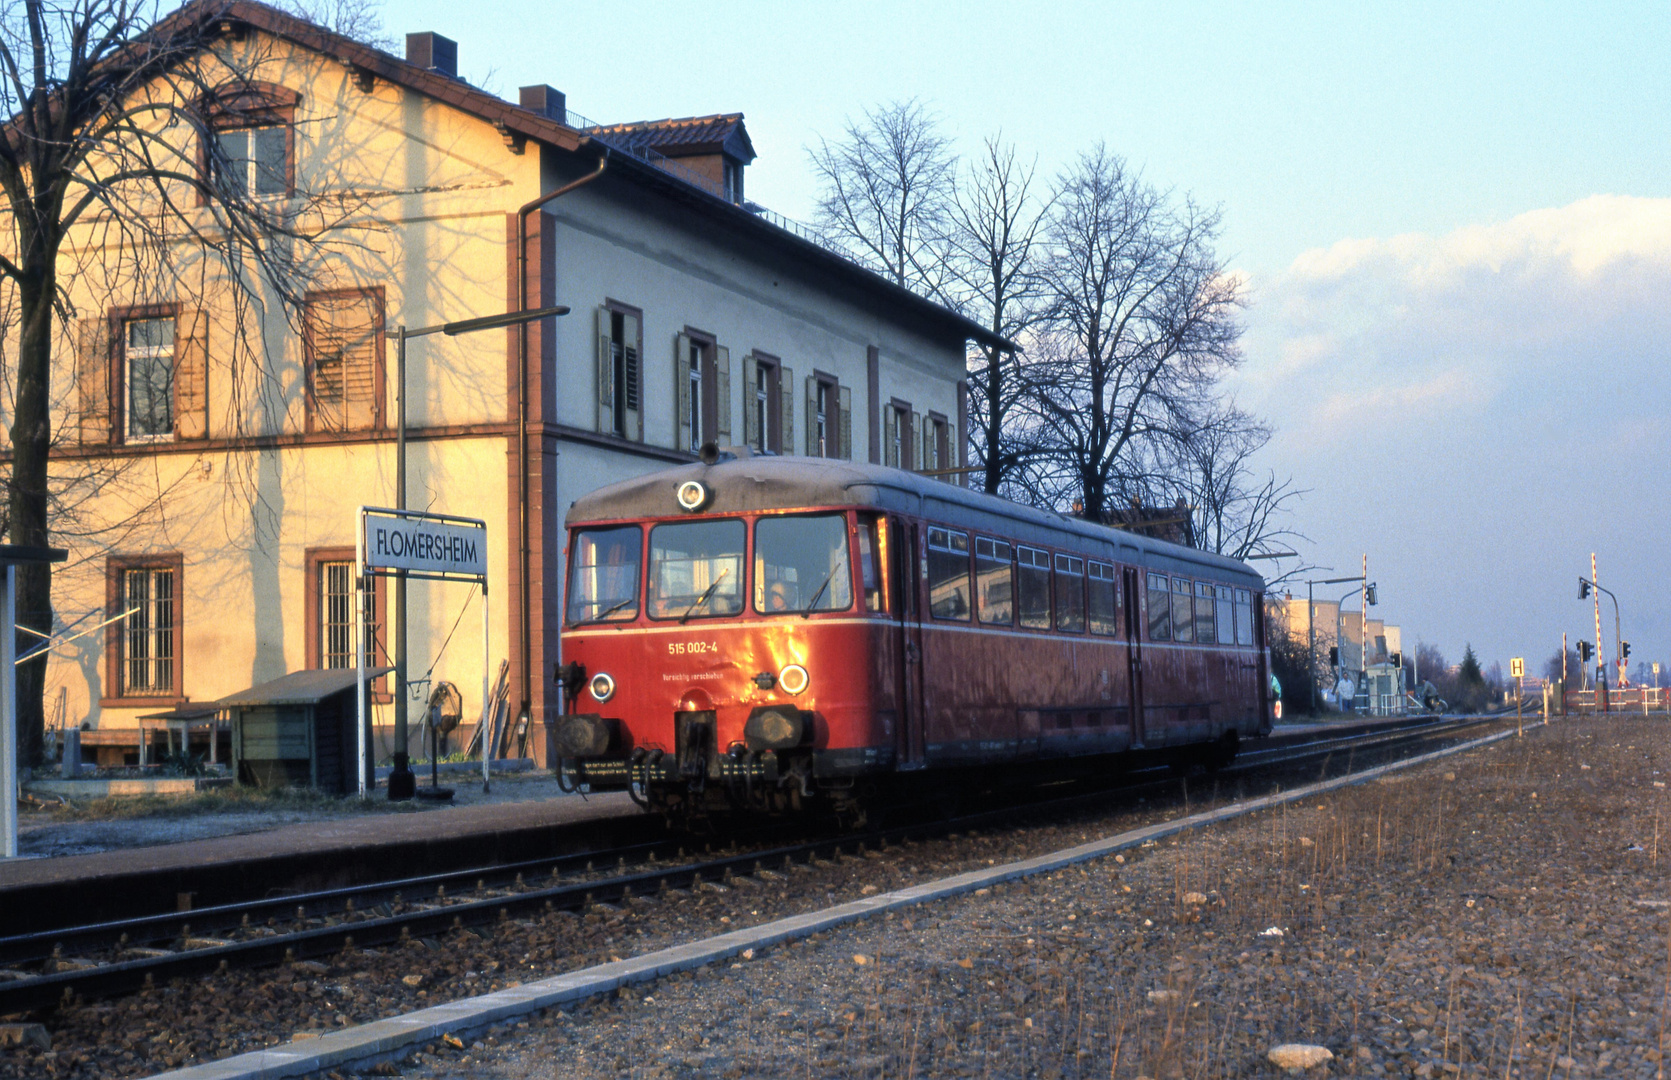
<point x="39" y="894"/>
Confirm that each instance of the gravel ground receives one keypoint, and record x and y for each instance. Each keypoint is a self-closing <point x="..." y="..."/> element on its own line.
<point x="1480" y="917"/>
<point x="121" y="822"/>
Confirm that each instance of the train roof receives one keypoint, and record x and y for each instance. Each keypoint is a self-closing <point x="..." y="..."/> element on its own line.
<point x="741" y="482"/>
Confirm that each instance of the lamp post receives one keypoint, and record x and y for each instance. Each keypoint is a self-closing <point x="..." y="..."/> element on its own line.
<point x="1311" y="630"/>
<point x="402" y="783"/>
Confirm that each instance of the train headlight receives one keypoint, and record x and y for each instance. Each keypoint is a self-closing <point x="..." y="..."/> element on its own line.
<point x="693" y="495"/>
<point x="793" y="679"/>
<point x="602" y="687"/>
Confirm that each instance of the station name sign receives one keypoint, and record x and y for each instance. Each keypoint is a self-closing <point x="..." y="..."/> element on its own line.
<point x="423" y="545"/>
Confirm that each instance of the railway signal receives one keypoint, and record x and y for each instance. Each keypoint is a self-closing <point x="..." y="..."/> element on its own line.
<point x="1585" y="649"/>
<point x="1624" y="650"/>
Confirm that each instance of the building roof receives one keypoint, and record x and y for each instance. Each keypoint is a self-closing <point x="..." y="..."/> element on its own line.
<point x="721" y="133"/>
<point x="307" y="687"/>
<point x="515" y="122"/>
<point x="741" y="482"/>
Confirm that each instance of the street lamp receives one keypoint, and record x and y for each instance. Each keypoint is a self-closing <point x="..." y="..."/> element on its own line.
<point x="402" y="783"/>
<point x="1311" y="630"/>
<point x="1584" y="586"/>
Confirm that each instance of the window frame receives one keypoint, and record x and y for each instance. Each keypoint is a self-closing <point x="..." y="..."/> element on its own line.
<point x="1187" y="592"/>
<point x="1111" y="574"/>
<point x="855" y="572"/>
<point x="623" y="367"/>
<point x="707" y="405"/>
<point x="117" y="380"/>
<point x="898" y="442"/>
<point x="314" y="561"/>
<point x="1208" y="592"/>
<point x="826" y="393"/>
<point x="379" y="373"/>
<point x="1046" y="566"/>
<point x="1007" y="561"/>
<point x="948" y="547"/>
<point x="1151" y="618"/>
<point x="249" y="106"/>
<point x="745" y="581"/>
<point x="116" y="566"/>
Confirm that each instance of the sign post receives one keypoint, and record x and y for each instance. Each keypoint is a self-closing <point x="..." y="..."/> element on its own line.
<point x="1517" y="668"/>
<point x="415" y="544"/>
<point x="11" y="557"/>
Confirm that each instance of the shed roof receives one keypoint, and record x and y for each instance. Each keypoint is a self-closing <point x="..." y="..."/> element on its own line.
<point x="308" y="687"/>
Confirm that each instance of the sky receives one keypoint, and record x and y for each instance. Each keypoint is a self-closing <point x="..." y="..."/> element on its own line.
<point x="1454" y="222"/>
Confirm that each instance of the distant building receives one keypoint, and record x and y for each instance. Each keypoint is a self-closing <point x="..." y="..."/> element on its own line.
<point x="1385" y="667"/>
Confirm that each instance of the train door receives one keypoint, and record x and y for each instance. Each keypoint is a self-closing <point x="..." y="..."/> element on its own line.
<point x="1129" y="580"/>
<point x="906" y="574"/>
<point x="1261" y="692"/>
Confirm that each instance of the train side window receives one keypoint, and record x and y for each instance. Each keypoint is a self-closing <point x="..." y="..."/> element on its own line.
<point x="1032" y="580"/>
<point x="1070" y="594"/>
<point x="1204" y="631"/>
<point x="1183" y="613"/>
<point x="948" y="573"/>
<point x="994" y="577"/>
<point x="1244" y="617"/>
<point x="1160" y="608"/>
<point x="1226" y="621"/>
<point x="869" y="575"/>
<point x="1104" y="601"/>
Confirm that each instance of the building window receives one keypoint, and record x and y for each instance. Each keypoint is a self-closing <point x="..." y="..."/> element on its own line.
<point x="897" y="435"/>
<point x="829" y="418"/>
<point x="148" y="360"/>
<point x="144" y="639"/>
<point x="819" y="422"/>
<point x="344" y="341"/>
<point x="330" y="614"/>
<point x="691" y="404"/>
<point x="768" y="419"/>
<point x="257" y="158"/>
<point x="620" y="372"/>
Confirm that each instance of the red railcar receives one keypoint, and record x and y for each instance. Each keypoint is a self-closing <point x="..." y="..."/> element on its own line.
<point x="771" y="633"/>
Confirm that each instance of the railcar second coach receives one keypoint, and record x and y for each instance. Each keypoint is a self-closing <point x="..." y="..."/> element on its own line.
<point x="771" y="633"/>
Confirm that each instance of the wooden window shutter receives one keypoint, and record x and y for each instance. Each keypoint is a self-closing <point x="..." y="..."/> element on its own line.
<point x="606" y="372"/>
<point x="722" y="395"/>
<point x="845" y="451"/>
<point x="751" y="413"/>
<point x="92" y="361"/>
<point x="786" y="410"/>
<point x="634" y="377"/>
<point x="889" y="421"/>
<point x="812" y="416"/>
<point x="681" y="389"/>
<point x="342" y="340"/>
<point x="915" y="441"/>
<point x="191" y="374"/>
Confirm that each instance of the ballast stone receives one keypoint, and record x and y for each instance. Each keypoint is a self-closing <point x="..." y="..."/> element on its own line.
<point x="1299" y="1055"/>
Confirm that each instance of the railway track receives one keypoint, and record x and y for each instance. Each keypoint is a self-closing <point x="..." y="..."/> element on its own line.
<point x="39" y="970"/>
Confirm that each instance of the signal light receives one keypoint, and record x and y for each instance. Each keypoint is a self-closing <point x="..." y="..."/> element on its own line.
<point x="1583" y="589"/>
<point x="1584" y="650"/>
<point x="1624" y="650"/>
<point x="1334" y="656"/>
<point x="1369" y="593"/>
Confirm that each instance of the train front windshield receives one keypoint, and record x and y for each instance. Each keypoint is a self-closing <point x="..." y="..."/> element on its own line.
<point x="801" y="564"/>
<point x="696" y="569"/>
<point x="603" y="575"/>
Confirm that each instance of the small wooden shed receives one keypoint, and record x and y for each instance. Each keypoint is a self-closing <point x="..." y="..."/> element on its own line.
<point x="298" y="731"/>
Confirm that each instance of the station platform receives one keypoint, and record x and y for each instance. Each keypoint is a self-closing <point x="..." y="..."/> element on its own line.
<point x="39" y="894"/>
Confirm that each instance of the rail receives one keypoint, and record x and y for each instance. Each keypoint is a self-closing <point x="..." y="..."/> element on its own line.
<point x="121" y="957"/>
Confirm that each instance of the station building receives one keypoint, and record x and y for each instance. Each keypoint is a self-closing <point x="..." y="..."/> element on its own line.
<point x="213" y="484"/>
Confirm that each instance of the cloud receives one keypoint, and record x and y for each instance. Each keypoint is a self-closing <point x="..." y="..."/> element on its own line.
<point x="1478" y="410"/>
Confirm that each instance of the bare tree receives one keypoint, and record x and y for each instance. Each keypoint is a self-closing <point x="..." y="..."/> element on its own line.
<point x="993" y="240"/>
<point x="887" y="184"/>
<point x="115" y="183"/>
<point x="1141" y="325"/>
<point x="1236" y="511"/>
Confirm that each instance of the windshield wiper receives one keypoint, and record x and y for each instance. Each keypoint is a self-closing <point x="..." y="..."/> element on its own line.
<point x="703" y="599"/>
<point x="607" y="612"/>
<point x="820" y="593"/>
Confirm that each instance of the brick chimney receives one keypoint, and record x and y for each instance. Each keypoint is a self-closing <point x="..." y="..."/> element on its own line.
<point x="433" y="52"/>
<point x="547" y="101"/>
